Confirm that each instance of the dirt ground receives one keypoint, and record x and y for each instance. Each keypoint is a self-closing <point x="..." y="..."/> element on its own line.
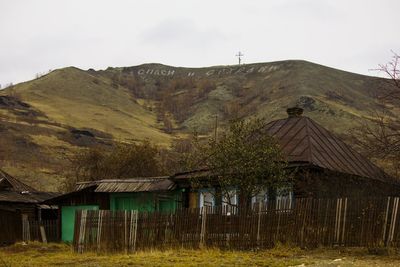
<point x="36" y="254"/>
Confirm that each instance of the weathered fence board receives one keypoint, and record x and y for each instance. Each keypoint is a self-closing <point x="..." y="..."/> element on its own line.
<point x="43" y="231"/>
<point x="304" y="222"/>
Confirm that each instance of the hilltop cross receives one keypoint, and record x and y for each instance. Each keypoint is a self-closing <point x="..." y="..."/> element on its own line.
<point x="240" y="55"/>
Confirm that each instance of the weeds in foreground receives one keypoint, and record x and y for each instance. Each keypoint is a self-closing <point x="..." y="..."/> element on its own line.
<point x="37" y="254"/>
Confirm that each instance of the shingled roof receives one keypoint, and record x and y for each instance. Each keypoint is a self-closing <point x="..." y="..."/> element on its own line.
<point x="304" y="141"/>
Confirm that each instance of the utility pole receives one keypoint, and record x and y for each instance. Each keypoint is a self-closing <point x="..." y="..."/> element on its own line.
<point x="240" y="55"/>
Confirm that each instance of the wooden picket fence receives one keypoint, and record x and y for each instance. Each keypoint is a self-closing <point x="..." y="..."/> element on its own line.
<point x="42" y="231"/>
<point x="302" y="222"/>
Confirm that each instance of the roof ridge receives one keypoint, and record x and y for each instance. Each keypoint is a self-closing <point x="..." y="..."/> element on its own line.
<point x="16" y="184"/>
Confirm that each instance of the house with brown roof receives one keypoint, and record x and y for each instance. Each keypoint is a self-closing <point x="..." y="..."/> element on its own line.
<point x="324" y="166"/>
<point x="327" y="166"/>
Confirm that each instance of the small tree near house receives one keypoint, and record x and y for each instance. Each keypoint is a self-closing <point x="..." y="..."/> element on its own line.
<point x="243" y="160"/>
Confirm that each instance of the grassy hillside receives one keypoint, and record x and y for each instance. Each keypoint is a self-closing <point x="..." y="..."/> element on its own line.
<point x="44" y="120"/>
<point x="75" y="98"/>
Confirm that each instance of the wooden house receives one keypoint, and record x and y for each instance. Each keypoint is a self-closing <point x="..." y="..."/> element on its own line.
<point x="21" y="203"/>
<point x="324" y="166"/>
<point x="142" y="194"/>
<point x="15" y="196"/>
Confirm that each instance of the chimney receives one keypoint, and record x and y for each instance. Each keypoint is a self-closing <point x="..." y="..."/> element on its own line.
<point x="294" y="112"/>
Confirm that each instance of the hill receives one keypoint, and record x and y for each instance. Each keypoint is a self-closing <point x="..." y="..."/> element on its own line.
<point x="44" y="120"/>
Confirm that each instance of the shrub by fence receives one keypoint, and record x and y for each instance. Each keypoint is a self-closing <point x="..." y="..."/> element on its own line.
<point x="303" y="222"/>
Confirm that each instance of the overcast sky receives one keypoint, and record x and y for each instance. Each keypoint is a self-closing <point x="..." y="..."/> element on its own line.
<point x="35" y="36"/>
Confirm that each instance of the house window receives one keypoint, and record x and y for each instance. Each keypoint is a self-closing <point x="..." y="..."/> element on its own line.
<point x="230" y="198"/>
<point x="284" y="198"/>
<point x="206" y="199"/>
<point x="260" y="198"/>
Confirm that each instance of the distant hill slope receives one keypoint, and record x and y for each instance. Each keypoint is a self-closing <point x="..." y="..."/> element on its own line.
<point x="44" y="120"/>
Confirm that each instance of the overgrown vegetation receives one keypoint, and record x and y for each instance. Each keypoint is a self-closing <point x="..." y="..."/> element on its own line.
<point x="121" y="161"/>
<point x="242" y="158"/>
<point x="36" y="254"/>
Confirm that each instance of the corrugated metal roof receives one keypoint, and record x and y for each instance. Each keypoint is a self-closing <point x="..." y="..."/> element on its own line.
<point x="304" y="140"/>
<point x="129" y="185"/>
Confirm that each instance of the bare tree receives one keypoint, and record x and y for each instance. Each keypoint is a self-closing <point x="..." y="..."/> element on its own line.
<point x="379" y="137"/>
<point x="392" y="71"/>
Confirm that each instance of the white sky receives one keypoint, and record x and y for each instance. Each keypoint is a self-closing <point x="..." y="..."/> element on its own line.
<point x="35" y="36"/>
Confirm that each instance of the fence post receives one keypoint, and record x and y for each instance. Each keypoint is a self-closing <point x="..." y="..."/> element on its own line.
<point x="43" y="233"/>
<point x="393" y="220"/>
<point x="133" y="230"/>
<point x="136" y="227"/>
<point x="125" y="232"/>
<point x="259" y="223"/>
<point x="203" y="226"/>
<point x="338" y="219"/>
<point x="26" y="233"/>
<point x="82" y="230"/>
<point x="99" y="230"/>
<point x="385" y="222"/>
<point x="344" y="219"/>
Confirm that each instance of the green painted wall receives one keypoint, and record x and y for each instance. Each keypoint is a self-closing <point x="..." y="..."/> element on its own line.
<point x="145" y="201"/>
<point x="68" y="220"/>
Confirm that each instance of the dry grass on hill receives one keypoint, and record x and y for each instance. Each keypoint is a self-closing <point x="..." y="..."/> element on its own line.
<point x="37" y="117"/>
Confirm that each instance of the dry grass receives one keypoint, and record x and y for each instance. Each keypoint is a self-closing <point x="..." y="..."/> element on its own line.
<point x="70" y="97"/>
<point x="36" y="254"/>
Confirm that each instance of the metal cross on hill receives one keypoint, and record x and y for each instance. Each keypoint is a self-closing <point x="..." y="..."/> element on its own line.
<point x="240" y="55"/>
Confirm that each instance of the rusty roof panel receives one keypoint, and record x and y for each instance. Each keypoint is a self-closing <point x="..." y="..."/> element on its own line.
<point x="304" y="140"/>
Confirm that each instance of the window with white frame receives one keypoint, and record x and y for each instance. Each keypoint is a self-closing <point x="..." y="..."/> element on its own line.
<point x="230" y="197"/>
<point x="284" y="198"/>
<point x="206" y="199"/>
<point x="261" y="197"/>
